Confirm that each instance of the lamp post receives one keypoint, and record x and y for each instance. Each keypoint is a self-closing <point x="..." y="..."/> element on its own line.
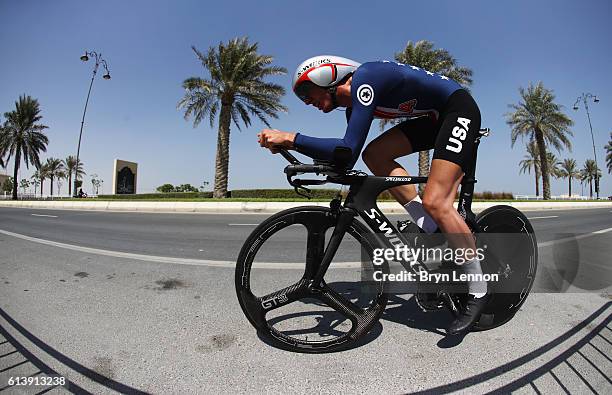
<point x="584" y="98"/>
<point x="99" y="60"/>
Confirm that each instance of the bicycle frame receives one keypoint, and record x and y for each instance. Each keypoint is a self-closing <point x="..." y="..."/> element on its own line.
<point x="361" y="200"/>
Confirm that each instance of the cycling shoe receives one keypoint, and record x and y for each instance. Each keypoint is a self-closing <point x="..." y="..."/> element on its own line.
<point x="468" y="315"/>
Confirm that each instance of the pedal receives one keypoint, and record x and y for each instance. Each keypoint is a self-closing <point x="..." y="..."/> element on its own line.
<point x="450" y="303"/>
<point x="428" y="301"/>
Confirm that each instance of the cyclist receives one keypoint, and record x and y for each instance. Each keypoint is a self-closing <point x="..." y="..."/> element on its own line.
<point x="439" y="115"/>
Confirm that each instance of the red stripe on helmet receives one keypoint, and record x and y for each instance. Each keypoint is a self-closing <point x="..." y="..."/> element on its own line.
<point x="304" y="77"/>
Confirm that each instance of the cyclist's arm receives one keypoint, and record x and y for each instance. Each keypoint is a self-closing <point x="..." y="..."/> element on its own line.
<point x="357" y="130"/>
<point x="347" y="113"/>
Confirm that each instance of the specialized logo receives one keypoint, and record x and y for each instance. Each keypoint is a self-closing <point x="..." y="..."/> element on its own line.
<point x="458" y="135"/>
<point x="398" y="178"/>
<point x="365" y="94"/>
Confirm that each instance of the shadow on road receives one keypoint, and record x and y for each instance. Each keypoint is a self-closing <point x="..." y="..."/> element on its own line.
<point x="601" y="331"/>
<point x="44" y="368"/>
<point x="591" y="349"/>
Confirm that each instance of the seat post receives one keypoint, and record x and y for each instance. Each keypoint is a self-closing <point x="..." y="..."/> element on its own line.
<point x="466" y="193"/>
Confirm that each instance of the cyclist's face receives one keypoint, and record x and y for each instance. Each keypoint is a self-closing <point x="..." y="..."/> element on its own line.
<point x="320" y="98"/>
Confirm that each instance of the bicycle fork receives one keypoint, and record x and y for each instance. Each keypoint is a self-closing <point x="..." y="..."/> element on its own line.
<point x="345" y="217"/>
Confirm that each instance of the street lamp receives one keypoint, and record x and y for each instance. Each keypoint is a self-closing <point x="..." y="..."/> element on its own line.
<point x="99" y="60"/>
<point x="584" y="98"/>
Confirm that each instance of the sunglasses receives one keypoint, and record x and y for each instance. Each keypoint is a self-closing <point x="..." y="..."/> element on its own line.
<point x="303" y="90"/>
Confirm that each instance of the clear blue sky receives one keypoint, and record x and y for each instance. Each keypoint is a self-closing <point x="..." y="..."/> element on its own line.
<point x="147" y="44"/>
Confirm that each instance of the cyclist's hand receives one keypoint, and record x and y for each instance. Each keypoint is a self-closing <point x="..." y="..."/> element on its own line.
<point x="275" y="139"/>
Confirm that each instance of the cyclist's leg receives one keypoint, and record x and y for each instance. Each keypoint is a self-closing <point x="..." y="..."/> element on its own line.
<point x="452" y="157"/>
<point x="403" y="139"/>
<point x="453" y="154"/>
<point x="439" y="196"/>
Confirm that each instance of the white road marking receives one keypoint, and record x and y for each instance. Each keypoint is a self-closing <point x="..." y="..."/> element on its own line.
<point x="177" y="261"/>
<point x="565" y="239"/>
<point x="231" y="264"/>
<point x="243" y="224"/>
<point x="598" y="232"/>
<point x="44" y="215"/>
<point x="548" y="216"/>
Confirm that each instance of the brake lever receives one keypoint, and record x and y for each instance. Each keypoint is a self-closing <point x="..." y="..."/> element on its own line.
<point x="306" y="194"/>
<point x="298" y="187"/>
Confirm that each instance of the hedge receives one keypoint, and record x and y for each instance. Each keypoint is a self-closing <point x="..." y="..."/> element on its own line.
<point x="290" y="193"/>
<point x="169" y="195"/>
<point x="488" y="195"/>
<point x="279" y="194"/>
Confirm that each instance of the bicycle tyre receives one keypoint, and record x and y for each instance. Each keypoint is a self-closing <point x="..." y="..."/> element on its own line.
<point x="255" y="308"/>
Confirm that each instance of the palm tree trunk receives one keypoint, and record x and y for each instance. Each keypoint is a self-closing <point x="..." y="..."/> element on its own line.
<point x="222" y="159"/>
<point x="537" y="177"/>
<point x="15" y="171"/>
<point x="42" y="183"/>
<point x="591" y="188"/>
<point x="569" y="181"/>
<point x="543" y="164"/>
<point x="69" y="183"/>
<point x="52" y="186"/>
<point x="423" y="168"/>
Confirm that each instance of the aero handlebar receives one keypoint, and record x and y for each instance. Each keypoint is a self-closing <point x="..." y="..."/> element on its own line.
<point x="290" y="158"/>
<point x="296" y="167"/>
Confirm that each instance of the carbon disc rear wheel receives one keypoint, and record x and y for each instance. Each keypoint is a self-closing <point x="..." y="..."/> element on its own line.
<point x="512" y="255"/>
<point x="300" y="316"/>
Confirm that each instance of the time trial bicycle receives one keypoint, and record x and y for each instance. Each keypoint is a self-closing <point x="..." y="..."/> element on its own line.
<point x="513" y="259"/>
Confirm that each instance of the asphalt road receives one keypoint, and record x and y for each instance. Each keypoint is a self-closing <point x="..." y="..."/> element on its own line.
<point x="219" y="237"/>
<point x="73" y="301"/>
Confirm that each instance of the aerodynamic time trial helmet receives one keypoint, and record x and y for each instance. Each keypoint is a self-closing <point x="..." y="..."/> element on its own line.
<point x="325" y="71"/>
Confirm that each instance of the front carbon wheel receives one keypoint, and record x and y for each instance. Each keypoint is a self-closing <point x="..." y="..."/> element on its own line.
<point x="273" y="282"/>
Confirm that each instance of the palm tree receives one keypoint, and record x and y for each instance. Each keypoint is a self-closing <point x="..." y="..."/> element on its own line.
<point x="70" y="163"/>
<point x="554" y="165"/>
<point x="55" y="168"/>
<point x="236" y="88"/>
<point x="35" y="181"/>
<point x="570" y="171"/>
<point x="2" y="164"/>
<point x="43" y="173"/>
<point x="61" y="175"/>
<point x="539" y="118"/>
<point x="95" y="183"/>
<point x="588" y="172"/>
<point x="609" y="154"/>
<point x="22" y="136"/>
<point x="531" y="161"/>
<point x="24" y="184"/>
<point x="423" y="54"/>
